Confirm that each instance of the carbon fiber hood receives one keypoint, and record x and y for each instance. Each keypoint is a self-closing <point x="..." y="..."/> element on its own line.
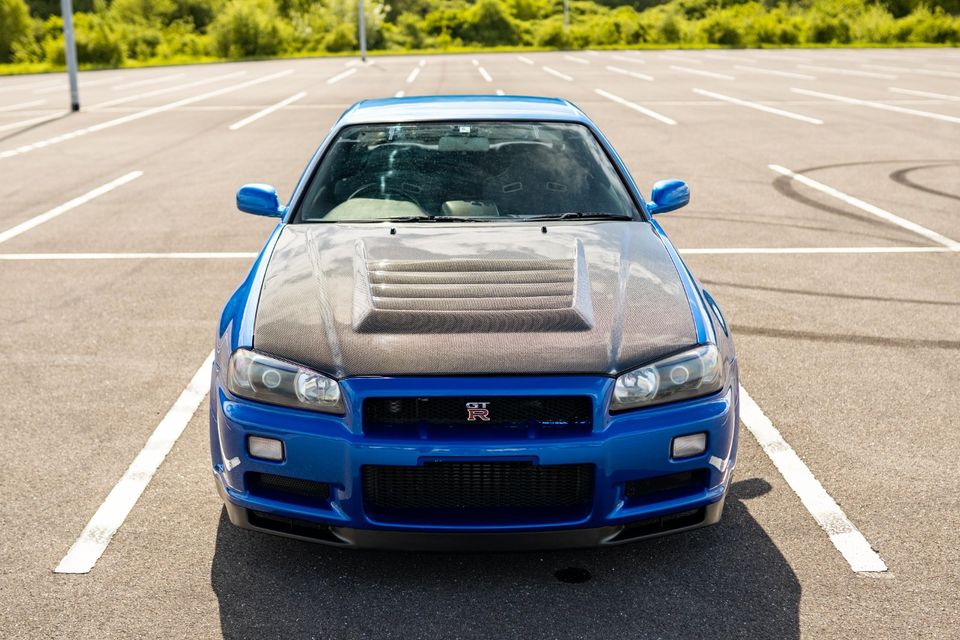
<point x="454" y="299"/>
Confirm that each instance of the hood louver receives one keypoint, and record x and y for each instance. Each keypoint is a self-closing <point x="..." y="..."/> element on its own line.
<point x="471" y="295"/>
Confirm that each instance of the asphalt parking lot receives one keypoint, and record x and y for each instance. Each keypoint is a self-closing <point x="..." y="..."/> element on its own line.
<point x="824" y="220"/>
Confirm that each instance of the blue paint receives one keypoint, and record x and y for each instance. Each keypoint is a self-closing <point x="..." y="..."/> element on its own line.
<point x="260" y="200"/>
<point x="668" y="195"/>
<point x="631" y="445"/>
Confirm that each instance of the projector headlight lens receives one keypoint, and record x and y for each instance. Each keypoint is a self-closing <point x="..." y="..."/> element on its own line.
<point x="693" y="373"/>
<point x="258" y="377"/>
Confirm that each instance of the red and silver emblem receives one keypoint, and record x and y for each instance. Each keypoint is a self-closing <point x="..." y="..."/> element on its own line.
<point x="478" y="411"/>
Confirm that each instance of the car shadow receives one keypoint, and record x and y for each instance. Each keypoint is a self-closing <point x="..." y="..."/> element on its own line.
<point x="729" y="580"/>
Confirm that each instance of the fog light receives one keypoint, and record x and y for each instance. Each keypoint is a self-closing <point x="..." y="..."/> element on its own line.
<point x="265" y="448"/>
<point x="689" y="446"/>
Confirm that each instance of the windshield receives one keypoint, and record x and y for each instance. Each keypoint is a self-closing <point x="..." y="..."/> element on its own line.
<point x="464" y="171"/>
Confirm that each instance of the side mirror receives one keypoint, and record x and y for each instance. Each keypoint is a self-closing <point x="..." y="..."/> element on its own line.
<point x="260" y="200"/>
<point x="668" y="195"/>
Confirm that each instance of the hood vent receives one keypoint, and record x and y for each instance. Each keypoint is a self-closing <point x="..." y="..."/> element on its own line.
<point x="471" y="295"/>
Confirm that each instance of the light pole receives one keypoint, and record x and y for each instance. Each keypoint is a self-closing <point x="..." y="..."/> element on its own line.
<point x="70" y="49"/>
<point x="363" y="33"/>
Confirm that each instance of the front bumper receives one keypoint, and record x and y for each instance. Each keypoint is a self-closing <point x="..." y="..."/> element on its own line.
<point x="329" y="449"/>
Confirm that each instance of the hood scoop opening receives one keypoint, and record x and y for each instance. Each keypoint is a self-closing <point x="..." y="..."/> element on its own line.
<point x="471" y="295"/>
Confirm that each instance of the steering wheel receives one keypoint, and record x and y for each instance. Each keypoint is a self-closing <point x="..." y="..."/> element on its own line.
<point x="376" y="185"/>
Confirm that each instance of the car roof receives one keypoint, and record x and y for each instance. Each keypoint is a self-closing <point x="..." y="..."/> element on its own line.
<point x="479" y="107"/>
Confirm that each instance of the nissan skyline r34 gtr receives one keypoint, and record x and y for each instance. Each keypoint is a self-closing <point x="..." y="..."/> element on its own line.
<point x="468" y="331"/>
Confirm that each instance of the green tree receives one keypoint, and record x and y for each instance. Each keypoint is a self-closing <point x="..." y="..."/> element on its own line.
<point x="488" y="22"/>
<point x="15" y="26"/>
<point x="248" y="28"/>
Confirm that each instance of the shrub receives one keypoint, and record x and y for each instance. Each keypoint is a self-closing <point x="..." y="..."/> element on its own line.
<point x="97" y="42"/>
<point x="408" y="33"/>
<point x="550" y="33"/>
<point x="721" y="28"/>
<point x="924" y="25"/>
<point x="488" y="23"/>
<point x="825" y="29"/>
<point x="15" y="26"/>
<point x="342" y="38"/>
<point x="248" y="28"/>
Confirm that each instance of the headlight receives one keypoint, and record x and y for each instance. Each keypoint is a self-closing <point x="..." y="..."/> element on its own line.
<point x="690" y="374"/>
<point x="258" y="377"/>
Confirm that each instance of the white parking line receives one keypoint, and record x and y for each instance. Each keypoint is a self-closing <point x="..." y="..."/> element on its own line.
<point x="953" y="245"/>
<point x="245" y="255"/>
<point x="729" y="57"/>
<point x="878" y="105"/>
<point x="35" y="221"/>
<point x="709" y="74"/>
<point x="34" y="85"/>
<point x="679" y="58"/>
<point x="413" y="75"/>
<point x="636" y="107"/>
<point x="786" y="57"/>
<point x="267" y="111"/>
<point x="632" y="74"/>
<point x="422" y="62"/>
<point x="726" y="251"/>
<point x="632" y="59"/>
<point x="576" y="59"/>
<point x="140" y="114"/>
<point x="917" y="71"/>
<point x="554" y="72"/>
<point x="342" y="75"/>
<point x="98" y="533"/>
<point x="176" y="255"/>
<point x="157" y="92"/>
<point x="500" y="92"/>
<point x="524" y="60"/>
<point x="775" y="72"/>
<point x="475" y="62"/>
<point x="923" y="94"/>
<point x="758" y="106"/>
<point x="399" y="94"/>
<point x="83" y="85"/>
<point x="846" y="72"/>
<point x="843" y="534"/>
<point x="148" y="81"/>
<point x="486" y="76"/>
<point x="22" y="105"/>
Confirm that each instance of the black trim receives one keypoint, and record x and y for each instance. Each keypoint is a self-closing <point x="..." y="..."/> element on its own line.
<point x="466" y="542"/>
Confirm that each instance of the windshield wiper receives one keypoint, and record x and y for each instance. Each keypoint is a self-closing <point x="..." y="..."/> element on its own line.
<point x="433" y="219"/>
<point x="578" y="215"/>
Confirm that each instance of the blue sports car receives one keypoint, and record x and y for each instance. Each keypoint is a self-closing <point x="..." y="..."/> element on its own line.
<point x="467" y="331"/>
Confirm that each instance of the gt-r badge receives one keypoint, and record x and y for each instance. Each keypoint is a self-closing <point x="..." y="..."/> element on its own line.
<point x="478" y="411"/>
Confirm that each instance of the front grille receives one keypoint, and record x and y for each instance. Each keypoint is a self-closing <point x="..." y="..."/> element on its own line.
<point x="478" y="491"/>
<point x="297" y="490"/>
<point x="492" y="416"/>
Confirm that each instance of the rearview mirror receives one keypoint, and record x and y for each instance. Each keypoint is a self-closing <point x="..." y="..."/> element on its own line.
<point x="260" y="200"/>
<point x="668" y="195"/>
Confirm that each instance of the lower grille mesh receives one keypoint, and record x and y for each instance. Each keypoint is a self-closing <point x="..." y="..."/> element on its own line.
<point x="285" y="488"/>
<point x="465" y="488"/>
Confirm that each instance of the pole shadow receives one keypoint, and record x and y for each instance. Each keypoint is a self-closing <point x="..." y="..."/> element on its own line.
<point x="729" y="580"/>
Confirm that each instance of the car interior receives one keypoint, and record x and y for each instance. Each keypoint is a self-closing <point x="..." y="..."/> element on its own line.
<point x="477" y="171"/>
